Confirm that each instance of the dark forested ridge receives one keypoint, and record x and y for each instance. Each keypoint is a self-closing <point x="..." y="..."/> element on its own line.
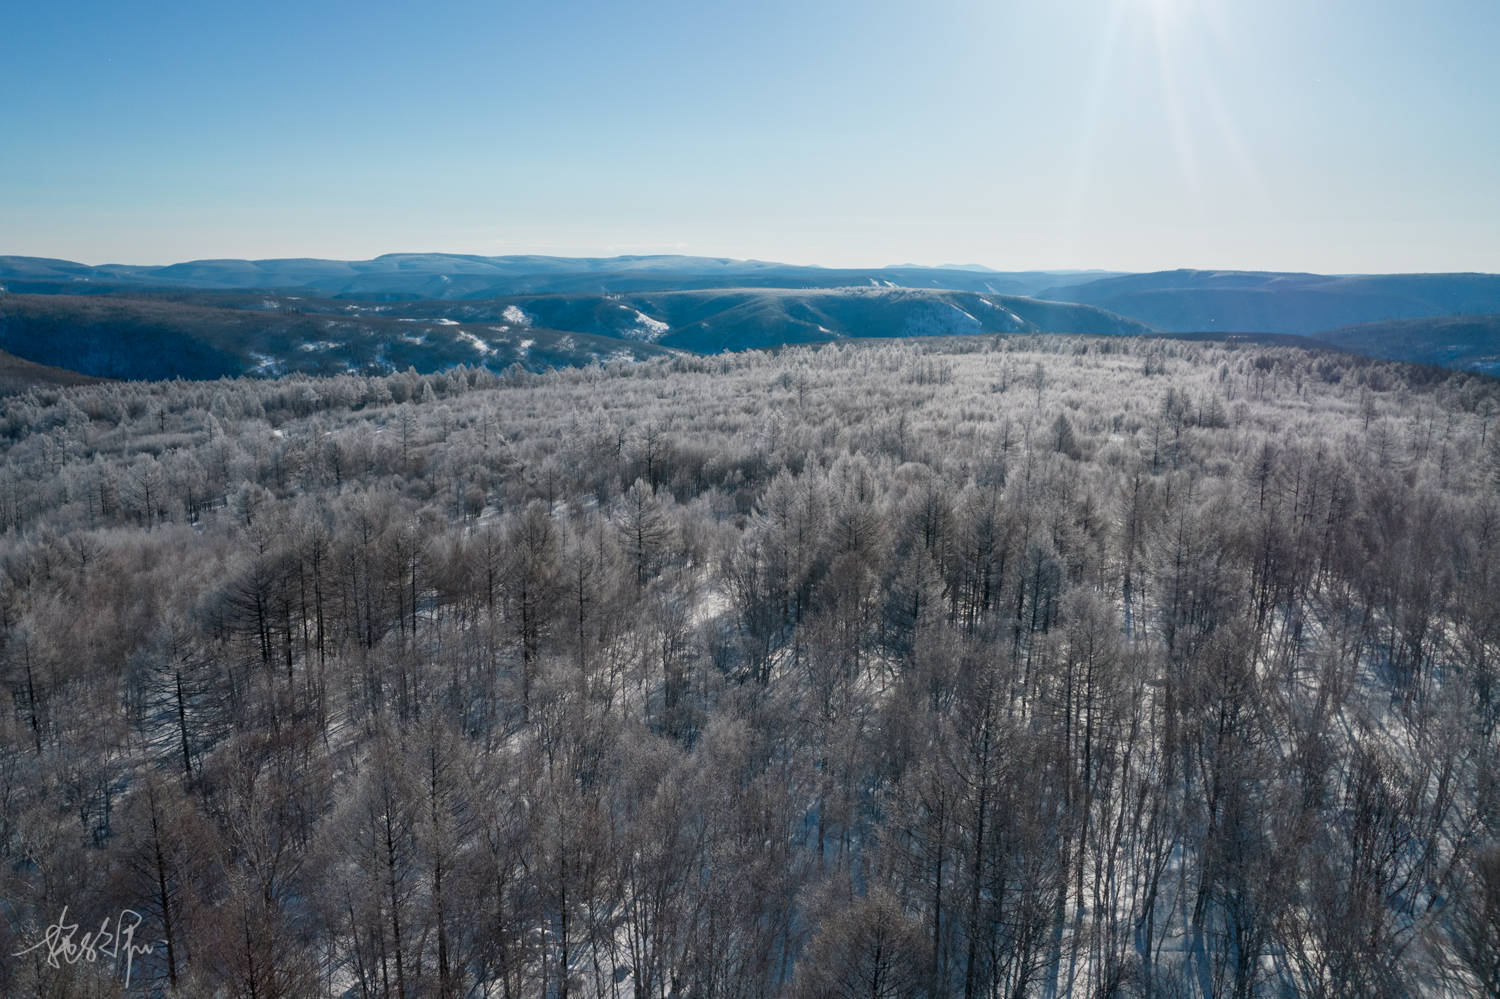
<point x="708" y="322"/>
<point x="190" y="334"/>
<point x="18" y="375"/>
<point x="1468" y="342"/>
<point x="162" y="337"/>
<point x="1007" y="666"/>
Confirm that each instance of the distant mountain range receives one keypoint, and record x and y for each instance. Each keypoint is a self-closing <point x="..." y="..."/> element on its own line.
<point x="454" y="275"/>
<point x="208" y="318"/>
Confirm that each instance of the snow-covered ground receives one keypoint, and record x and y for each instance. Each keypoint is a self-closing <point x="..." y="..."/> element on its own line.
<point x="653" y="328"/>
<point x="475" y="342"/>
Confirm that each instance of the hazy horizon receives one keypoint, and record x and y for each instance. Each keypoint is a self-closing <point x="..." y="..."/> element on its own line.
<point x="975" y="266"/>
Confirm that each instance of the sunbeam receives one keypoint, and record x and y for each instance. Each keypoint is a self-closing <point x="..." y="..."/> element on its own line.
<point x="1071" y="221"/>
<point x="1165" y="15"/>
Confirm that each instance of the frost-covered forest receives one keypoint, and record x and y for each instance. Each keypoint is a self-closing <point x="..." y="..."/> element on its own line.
<point x="1002" y="667"/>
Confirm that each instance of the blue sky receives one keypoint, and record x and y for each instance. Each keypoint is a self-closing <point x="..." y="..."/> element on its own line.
<point x="1328" y="135"/>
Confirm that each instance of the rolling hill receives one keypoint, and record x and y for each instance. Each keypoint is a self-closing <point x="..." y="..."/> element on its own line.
<point x="214" y="317"/>
<point x="1470" y="343"/>
<point x="140" y="338"/>
<point x="716" y="320"/>
<point x="1186" y="301"/>
<point x="18" y="374"/>
<point x="209" y="335"/>
<point x="454" y="275"/>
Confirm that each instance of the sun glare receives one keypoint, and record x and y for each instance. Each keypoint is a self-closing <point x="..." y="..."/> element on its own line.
<point x="1169" y="15"/>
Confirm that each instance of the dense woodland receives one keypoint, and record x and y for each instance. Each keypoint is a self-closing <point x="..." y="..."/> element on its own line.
<point x="1000" y="667"/>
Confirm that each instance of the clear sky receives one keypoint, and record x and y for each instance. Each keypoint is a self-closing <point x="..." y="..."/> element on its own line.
<point x="1327" y="135"/>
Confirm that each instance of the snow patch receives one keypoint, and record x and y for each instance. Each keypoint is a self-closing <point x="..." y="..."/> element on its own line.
<point x="711" y="605"/>
<point x="516" y="316"/>
<point x="265" y="364"/>
<point x="651" y="328"/>
<point x="475" y="342"/>
<point x="1006" y="312"/>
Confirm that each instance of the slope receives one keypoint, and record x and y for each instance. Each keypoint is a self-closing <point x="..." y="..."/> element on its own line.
<point x="18" y="374"/>
<point x="1192" y="300"/>
<point x="714" y="320"/>
<point x="154" y="338"/>
<point x="1470" y="343"/>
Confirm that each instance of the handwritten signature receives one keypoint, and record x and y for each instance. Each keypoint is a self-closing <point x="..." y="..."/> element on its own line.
<point x="118" y="944"/>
